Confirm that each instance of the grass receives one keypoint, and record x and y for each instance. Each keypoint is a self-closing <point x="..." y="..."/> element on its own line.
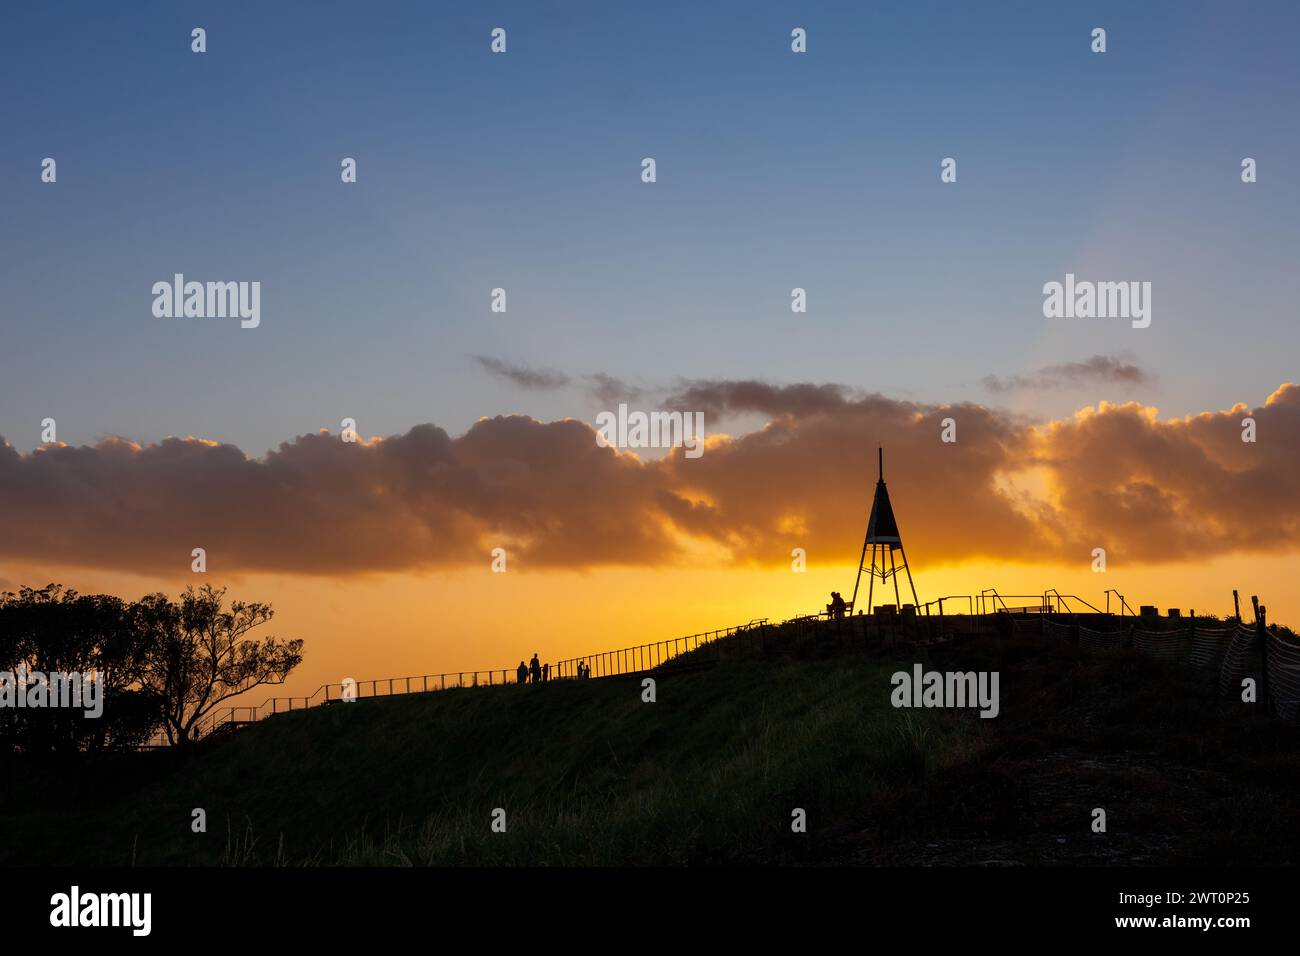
<point x="1183" y="776"/>
<point x="588" y="774"/>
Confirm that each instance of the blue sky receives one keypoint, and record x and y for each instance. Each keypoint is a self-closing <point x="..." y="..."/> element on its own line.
<point x="522" y="171"/>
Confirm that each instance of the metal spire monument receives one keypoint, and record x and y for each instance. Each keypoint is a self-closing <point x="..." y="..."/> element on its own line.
<point x="883" y="539"/>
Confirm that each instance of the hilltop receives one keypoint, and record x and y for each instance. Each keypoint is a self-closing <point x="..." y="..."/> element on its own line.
<point x="711" y="772"/>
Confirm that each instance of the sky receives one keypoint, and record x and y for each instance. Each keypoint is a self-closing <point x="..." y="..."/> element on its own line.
<point x="522" y="171"/>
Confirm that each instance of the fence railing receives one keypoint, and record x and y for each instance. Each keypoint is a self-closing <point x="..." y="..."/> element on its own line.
<point x="1051" y="601"/>
<point x="635" y="658"/>
<point x="639" y="658"/>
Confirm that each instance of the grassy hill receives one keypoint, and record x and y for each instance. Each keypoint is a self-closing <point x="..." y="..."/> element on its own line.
<point x="710" y="773"/>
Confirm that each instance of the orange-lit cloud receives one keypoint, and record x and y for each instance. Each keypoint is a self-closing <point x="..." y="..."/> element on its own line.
<point x="1113" y="476"/>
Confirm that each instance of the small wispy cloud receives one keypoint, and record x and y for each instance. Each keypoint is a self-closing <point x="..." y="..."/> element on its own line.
<point x="606" y="389"/>
<point x="535" y="379"/>
<point x="1097" y="370"/>
<point x="609" y="390"/>
<point x="717" y="398"/>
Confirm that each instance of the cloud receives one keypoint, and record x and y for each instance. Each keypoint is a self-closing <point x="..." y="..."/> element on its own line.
<point x="321" y="505"/>
<point x="522" y="375"/>
<point x="1097" y="370"/>
<point x="1112" y="476"/>
<point x="1183" y="488"/>
<point x="609" y="391"/>
<point x="719" y="398"/>
<point x="605" y="389"/>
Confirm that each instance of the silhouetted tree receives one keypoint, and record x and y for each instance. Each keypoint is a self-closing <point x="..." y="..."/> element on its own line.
<point x="199" y="655"/>
<point x="49" y="630"/>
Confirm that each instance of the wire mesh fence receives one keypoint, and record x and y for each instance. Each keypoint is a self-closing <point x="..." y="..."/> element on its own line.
<point x="1283" y="670"/>
<point x="1233" y="651"/>
<point x="1103" y="640"/>
<point x="1168" y="646"/>
<point x="1209" y="643"/>
<point x="1241" y="659"/>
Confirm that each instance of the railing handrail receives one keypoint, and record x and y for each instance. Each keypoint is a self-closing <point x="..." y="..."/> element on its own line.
<point x="682" y="645"/>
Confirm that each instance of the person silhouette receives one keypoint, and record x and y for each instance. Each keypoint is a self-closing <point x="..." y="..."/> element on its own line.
<point x="546" y="672"/>
<point x="522" y="672"/>
<point x="535" y="668"/>
<point x="838" y="606"/>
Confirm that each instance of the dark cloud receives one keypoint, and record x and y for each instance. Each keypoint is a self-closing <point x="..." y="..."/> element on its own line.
<point x="610" y="391"/>
<point x="1097" y="370"/>
<point x="522" y="375"/>
<point x="321" y="505"/>
<point x="605" y="389"/>
<point x="1114" y="476"/>
<point x="719" y="398"/>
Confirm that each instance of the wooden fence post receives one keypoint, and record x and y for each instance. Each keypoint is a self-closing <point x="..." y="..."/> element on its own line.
<point x="1261" y="632"/>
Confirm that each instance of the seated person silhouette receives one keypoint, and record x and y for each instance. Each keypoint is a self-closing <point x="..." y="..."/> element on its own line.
<point x="837" y="606"/>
